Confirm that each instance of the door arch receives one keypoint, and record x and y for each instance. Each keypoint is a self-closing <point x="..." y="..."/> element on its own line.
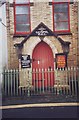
<point x="42" y="56"/>
<point x="43" y="59"/>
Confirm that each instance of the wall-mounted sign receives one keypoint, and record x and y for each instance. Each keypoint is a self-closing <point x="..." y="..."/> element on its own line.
<point x="61" y="60"/>
<point x="42" y="30"/>
<point x="25" y="61"/>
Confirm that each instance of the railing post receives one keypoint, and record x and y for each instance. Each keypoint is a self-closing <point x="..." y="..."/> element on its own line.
<point x="1" y="83"/>
<point x="46" y="79"/>
<point x="40" y="79"/>
<point x="69" y="77"/>
<point x="14" y="81"/>
<point x="58" y="77"/>
<point x="75" y="78"/>
<point x="17" y="85"/>
<point x="4" y="83"/>
<point x="43" y="79"/>
<point x="67" y="87"/>
<point x="72" y="78"/>
<point x="60" y="83"/>
<point x="52" y="79"/>
<point x="78" y="78"/>
<point x="55" y="87"/>
<point x="8" y="81"/>
<point x="33" y="79"/>
<point x="49" y="79"/>
<point x="37" y="80"/>
<point x="28" y="89"/>
<point x="11" y="82"/>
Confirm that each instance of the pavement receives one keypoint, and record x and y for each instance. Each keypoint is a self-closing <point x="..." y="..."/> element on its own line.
<point x="37" y="99"/>
<point x="40" y="106"/>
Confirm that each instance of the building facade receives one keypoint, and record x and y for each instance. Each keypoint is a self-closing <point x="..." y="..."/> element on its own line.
<point x="44" y="31"/>
<point x="3" y="38"/>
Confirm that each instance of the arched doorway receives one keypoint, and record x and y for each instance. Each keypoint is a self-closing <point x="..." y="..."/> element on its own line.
<point x="43" y="61"/>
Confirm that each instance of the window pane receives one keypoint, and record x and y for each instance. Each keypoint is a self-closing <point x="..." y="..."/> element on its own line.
<point x="22" y="9"/>
<point x="60" y="0"/>
<point x="22" y="28"/>
<point x="61" y="17"/>
<point x="22" y="19"/>
<point x="22" y="1"/>
<point x="61" y="7"/>
<point x="61" y="26"/>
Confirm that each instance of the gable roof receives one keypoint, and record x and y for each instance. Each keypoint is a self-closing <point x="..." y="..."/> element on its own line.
<point x="42" y="30"/>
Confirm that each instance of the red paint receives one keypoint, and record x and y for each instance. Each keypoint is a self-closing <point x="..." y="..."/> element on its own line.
<point x="27" y="5"/>
<point x="43" y="53"/>
<point x="53" y="3"/>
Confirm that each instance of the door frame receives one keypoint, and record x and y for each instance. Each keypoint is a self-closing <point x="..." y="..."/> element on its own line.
<point x="48" y="69"/>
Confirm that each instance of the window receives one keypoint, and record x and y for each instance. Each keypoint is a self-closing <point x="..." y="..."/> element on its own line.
<point x="61" y="22"/>
<point x="22" y="16"/>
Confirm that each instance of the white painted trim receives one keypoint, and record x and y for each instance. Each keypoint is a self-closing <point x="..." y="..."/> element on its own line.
<point x="39" y="105"/>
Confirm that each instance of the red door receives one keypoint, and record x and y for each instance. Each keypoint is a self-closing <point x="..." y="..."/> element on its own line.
<point x="43" y="59"/>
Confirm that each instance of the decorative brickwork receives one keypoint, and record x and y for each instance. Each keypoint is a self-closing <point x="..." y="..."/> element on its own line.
<point x="42" y="12"/>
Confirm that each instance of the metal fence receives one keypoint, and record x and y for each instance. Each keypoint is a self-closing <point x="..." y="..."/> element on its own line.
<point x="66" y="81"/>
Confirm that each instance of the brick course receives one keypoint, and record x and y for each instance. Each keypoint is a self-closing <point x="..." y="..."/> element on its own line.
<point x="42" y="12"/>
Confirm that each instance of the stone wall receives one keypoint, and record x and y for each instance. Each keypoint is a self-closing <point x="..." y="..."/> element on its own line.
<point x="42" y="12"/>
